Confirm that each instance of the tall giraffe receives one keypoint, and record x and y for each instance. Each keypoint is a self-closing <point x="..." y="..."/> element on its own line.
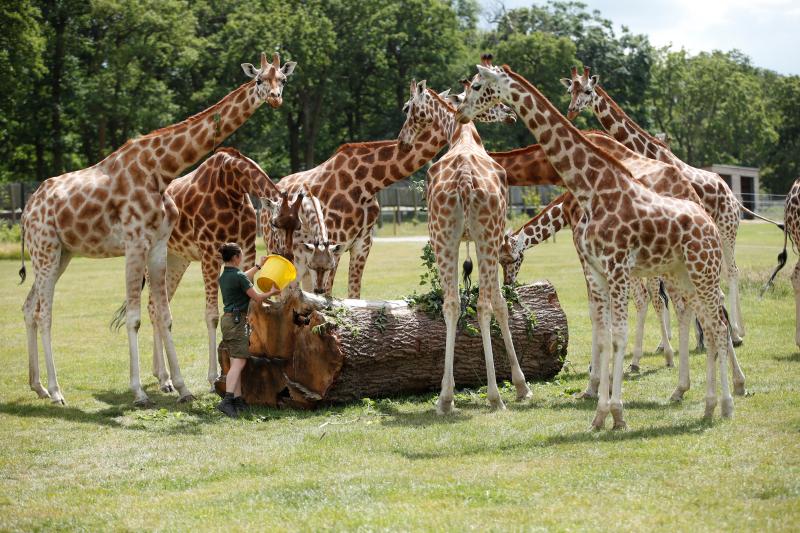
<point x="347" y="185"/>
<point x="214" y="207"/>
<point x="791" y="225"/>
<point x="627" y="230"/>
<point x="718" y="199"/>
<point x="662" y="178"/>
<point x="466" y="196"/>
<point x="118" y="207"/>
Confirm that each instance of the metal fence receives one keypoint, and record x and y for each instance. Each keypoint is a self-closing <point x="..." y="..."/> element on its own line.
<point x="402" y="201"/>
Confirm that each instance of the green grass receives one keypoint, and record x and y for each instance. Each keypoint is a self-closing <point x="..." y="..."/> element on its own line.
<point x="99" y="464"/>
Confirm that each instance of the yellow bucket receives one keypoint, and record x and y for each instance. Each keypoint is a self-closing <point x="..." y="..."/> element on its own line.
<point x="277" y="271"/>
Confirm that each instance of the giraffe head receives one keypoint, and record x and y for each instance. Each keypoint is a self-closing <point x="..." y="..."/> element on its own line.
<point x="581" y="90"/>
<point x="322" y="263"/>
<point x="510" y="258"/>
<point x="488" y="88"/>
<point x="420" y="112"/>
<point x="279" y="220"/>
<point x="498" y="113"/>
<point x="270" y="78"/>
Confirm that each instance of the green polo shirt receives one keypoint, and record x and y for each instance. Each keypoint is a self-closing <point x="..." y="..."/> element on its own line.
<point x="233" y="285"/>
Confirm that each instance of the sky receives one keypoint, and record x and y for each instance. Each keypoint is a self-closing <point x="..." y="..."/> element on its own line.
<point x="766" y="30"/>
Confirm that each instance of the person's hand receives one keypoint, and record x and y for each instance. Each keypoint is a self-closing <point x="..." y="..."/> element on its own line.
<point x="274" y="291"/>
<point x="261" y="262"/>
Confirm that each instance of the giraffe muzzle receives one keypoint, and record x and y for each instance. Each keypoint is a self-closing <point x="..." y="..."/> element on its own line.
<point x="462" y="118"/>
<point x="275" y="101"/>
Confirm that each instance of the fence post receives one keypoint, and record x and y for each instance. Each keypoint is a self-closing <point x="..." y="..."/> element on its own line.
<point x="396" y="208"/>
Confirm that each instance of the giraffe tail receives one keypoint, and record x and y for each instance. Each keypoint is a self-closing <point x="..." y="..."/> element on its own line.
<point x="465" y="190"/>
<point x="22" y="272"/>
<point x="119" y="318"/>
<point x="765" y="219"/>
<point x="782" y="257"/>
<point x="662" y="293"/>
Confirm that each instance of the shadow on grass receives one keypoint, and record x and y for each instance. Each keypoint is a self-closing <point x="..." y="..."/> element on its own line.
<point x="685" y="428"/>
<point x="792" y="358"/>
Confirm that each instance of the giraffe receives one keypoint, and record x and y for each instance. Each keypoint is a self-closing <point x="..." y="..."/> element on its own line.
<point x="214" y="207"/>
<point x="564" y="211"/>
<point x="627" y="230"/>
<point x="347" y="185"/>
<point x="718" y="199"/>
<point x="118" y="208"/>
<point x="467" y="195"/>
<point x="791" y="230"/>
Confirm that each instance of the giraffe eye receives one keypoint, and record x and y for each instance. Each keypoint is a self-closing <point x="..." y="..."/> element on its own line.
<point x="476" y="86"/>
<point x="588" y="91"/>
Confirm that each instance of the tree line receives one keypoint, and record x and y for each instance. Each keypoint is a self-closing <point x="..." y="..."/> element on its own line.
<point x="78" y="78"/>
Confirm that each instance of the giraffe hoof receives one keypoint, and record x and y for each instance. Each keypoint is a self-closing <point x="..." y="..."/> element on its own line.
<point x="599" y="422"/>
<point x="677" y="396"/>
<point x="737" y="342"/>
<point x="167" y="387"/>
<point x="633" y="369"/>
<point x="58" y="401"/>
<point x="188" y="398"/>
<point x="620" y="426"/>
<point x="739" y="390"/>
<point x="444" y="407"/>
<point x="41" y="393"/>
<point x="585" y="395"/>
<point x="497" y="405"/>
<point x="144" y="403"/>
<point x="669" y="364"/>
<point x="726" y="408"/>
<point x="524" y="394"/>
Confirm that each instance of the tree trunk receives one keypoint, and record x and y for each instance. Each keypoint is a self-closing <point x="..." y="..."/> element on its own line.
<point x="385" y="348"/>
<point x="59" y="28"/>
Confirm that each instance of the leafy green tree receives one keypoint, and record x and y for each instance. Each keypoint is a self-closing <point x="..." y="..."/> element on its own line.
<point x="712" y="106"/>
<point x="782" y="165"/>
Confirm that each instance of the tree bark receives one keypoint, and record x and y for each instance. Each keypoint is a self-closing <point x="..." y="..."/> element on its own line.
<point x="385" y="348"/>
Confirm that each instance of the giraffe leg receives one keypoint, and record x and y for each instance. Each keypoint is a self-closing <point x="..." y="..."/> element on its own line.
<point x="734" y="306"/>
<point x="662" y="312"/>
<point x="500" y="307"/>
<point x="176" y="267"/>
<point x="639" y="294"/>
<point x="600" y="321"/>
<point x="30" y="312"/>
<point x="618" y="292"/>
<point x="450" y="309"/>
<point x="594" y="366"/>
<point x="685" y="318"/>
<point x="211" y="267"/>
<point x="157" y="268"/>
<point x="134" y="270"/>
<point x="358" y="260"/>
<point x="47" y="290"/>
<point x="796" y="287"/>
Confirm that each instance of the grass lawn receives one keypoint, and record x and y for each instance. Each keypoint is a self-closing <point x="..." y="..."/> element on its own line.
<point x="100" y="464"/>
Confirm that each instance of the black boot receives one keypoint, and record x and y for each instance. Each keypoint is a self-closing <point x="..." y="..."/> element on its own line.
<point x="240" y="405"/>
<point x="227" y="406"/>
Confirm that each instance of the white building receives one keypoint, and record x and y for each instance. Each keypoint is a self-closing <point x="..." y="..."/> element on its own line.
<point x="743" y="181"/>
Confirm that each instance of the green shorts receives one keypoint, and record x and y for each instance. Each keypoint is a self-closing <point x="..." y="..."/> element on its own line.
<point x="234" y="336"/>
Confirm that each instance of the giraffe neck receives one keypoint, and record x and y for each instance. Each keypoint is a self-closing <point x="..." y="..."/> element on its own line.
<point x="543" y="226"/>
<point x="167" y="152"/>
<point x="246" y="176"/>
<point x="583" y="167"/>
<point x="377" y="165"/>
<point x="616" y="122"/>
<point x="527" y="166"/>
<point x="444" y="120"/>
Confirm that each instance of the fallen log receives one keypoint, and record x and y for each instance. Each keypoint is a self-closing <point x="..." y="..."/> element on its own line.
<point x="308" y="350"/>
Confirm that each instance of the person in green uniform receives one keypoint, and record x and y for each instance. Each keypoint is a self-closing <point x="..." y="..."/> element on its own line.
<point x="237" y="291"/>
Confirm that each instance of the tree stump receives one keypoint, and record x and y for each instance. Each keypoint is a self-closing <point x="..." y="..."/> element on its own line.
<point x="308" y="350"/>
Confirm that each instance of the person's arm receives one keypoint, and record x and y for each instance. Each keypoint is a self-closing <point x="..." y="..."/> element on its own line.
<point x="252" y="271"/>
<point x="260" y="297"/>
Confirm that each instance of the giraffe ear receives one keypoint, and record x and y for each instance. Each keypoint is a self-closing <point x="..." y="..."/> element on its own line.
<point x="308" y="246"/>
<point x="288" y="68"/>
<point x="444" y="94"/>
<point x="487" y="73"/>
<point x="249" y="70"/>
<point x="336" y="248"/>
<point x="566" y="82"/>
<point x="421" y="86"/>
<point x="594" y="80"/>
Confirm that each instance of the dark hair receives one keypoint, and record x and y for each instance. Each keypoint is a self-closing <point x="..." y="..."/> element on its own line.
<point x="229" y="250"/>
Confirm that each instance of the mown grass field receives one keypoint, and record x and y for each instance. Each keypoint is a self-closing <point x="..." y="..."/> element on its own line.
<point x="100" y="464"/>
